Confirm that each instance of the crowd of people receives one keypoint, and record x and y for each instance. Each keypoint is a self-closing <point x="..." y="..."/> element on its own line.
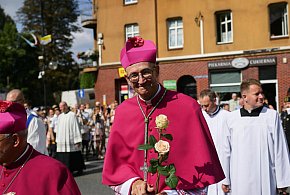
<point x="95" y="123"/>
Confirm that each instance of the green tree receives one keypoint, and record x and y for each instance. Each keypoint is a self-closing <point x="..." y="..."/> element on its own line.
<point x="87" y="80"/>
<point x="57" y="18"/>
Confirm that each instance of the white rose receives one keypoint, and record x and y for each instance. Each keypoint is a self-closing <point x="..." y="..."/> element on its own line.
<point x="162" y="147"/>
<point x="161" y="121"/>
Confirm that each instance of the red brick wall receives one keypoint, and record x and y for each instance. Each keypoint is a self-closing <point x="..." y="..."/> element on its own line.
<point x="174" y="70"/>
<point x="283" y="75"/>
<point x="250" y="73"/>
<point x="105" y="84"/>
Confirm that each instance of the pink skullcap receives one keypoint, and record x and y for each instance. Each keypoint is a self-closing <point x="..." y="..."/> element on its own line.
<point x="12" y="117"/>
<point x="137" y="50"/>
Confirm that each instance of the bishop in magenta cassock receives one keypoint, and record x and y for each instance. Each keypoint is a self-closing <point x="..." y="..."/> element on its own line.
<point x="24" y="170"/>
<point x="192" y="150"/>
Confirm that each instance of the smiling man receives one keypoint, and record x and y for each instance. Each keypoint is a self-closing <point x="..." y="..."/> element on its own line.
<point x="256" y="156"/>
<point x="191" y="151"/>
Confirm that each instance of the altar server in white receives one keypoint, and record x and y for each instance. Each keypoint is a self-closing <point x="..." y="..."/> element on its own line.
<point x="256" y="159"/>
<point x="215" y="118"/>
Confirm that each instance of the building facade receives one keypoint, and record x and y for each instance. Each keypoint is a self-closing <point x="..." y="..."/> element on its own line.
<point x="201" y="44"/>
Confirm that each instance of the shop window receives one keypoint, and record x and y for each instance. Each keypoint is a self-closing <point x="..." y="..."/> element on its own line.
<point x="267" y="72"/>
<point x="131" y="30"/>
<point x="224" y="26"/>
<point x="175" y="33"/>
<point x="127" y="2"/>
<point x="225" y="83"/>
<point x="278" y="14"/>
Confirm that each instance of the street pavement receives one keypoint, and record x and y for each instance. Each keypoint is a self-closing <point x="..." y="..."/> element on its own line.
<point x="90" y="182"/>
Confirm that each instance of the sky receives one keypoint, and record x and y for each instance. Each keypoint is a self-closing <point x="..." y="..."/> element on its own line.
<point x="83" y="40"/>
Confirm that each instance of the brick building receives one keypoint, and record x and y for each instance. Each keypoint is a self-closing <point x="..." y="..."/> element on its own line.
<point x="200" y="44"/>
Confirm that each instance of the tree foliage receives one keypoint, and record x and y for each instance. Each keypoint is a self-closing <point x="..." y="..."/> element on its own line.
<point x="57" y="18"/>
<point x="87" y="80"/>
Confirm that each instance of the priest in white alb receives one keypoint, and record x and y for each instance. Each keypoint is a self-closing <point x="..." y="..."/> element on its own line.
<point x="256" y="155"/>
<point x="215" y="118"/>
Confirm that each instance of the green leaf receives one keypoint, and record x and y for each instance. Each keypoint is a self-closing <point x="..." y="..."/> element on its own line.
<point x="153" y="165"/>
<point x="167" y="136"/>
<point x="152" y="140"/>
<point x="152" y="169"/>
<point x="171" y="181"/>
<point x="163" y="170"/>
<point x="171" y="169"/>
<point x="154" y="162"/>
<point x="145" y="147"/>
<point x="164" y="158"/>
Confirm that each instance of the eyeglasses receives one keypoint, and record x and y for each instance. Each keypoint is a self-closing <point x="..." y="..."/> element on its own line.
<point x="145" y="73"/>
<point x="7" y="136"/>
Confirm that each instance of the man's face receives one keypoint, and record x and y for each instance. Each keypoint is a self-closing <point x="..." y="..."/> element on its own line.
<point x="62" y="107"/>
<point x="253" y="98"/>
<point x="207" y="105"/>
<point x="141" y="77"/>
<point x="6" y="143"/>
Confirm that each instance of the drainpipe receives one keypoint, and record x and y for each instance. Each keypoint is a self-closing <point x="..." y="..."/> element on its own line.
<point x="201" y="35"/>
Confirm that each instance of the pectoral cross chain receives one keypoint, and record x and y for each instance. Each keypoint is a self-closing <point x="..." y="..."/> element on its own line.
<point x="144" y="168"/>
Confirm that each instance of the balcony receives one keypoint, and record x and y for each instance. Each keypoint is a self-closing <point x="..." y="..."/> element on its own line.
<point x="89" y="22"/>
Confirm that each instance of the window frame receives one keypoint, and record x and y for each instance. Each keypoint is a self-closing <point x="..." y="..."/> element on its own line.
<point x="175" y="28"/>
<point x="219" y="27"/>
<point x="134" y="33"/>
<point x="285" y="26"/>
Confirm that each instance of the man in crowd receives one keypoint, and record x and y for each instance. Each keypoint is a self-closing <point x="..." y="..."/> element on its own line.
<point x="234" y="102"/>
<point x="215" y="118"/>
<point x="256" y="159"/>
<point x="24" y="170"/>
<point x="69" y="139"/>
<point x="285" y="116"/>
<point x="36" y="128"/>
<point x="192" y="150"/>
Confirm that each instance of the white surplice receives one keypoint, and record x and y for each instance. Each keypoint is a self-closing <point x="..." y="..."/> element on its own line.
<point x="256" y="159"/>
<point x="68" y="133"/>
<point x="36" y="135"/>
<point x="217" y="126"/>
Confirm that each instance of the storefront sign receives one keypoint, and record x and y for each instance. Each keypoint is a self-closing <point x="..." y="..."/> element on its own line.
<point x="240" y="62"/>
<point x="121" y="72"/>
<point x="170" y="84"/>
<point x="124" y="89"/>
<point x="219" y="64"/>
<point x="263" y="61"/>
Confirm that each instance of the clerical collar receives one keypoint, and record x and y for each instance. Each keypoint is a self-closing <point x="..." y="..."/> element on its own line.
<point x="215" y="112"/>
<point x="149" y="102"/>
<point x="252" y="113"/>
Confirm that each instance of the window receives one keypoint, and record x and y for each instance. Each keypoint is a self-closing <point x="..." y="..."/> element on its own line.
<point x="131" y="30"/>
<point x="225" y="83"/>
<point x="224" y="26"/>
<point x="267" y="72"/>
<point x="175" y="33"/>
<point x="130" y="1"/>
<point x="278" y="19"/>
